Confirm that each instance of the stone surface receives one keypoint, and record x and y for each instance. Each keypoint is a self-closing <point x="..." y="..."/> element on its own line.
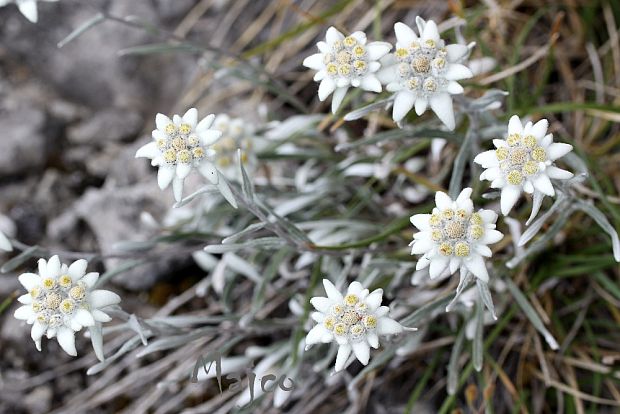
<point x="39" y="400"/>
<point x="102" y="127"/>
<point x="22" y="145"/>
<point x="97" y="76"/>
<point x="113" y="216"/>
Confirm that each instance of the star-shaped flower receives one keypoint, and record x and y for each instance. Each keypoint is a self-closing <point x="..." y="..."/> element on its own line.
<point x="236" y="134"/>
<point x="61" y="301"/>
<point x="355" y="321"/>
<point x="454" y="236"/>
<point x="345" y="62"/>
<point x="524" y="161"/>
<point x="180" y="145"/>
<point x="423" y="71"/>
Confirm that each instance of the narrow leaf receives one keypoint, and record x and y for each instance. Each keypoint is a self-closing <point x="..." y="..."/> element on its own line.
<point x="453" y="365"/>
<point x="264" y="243"/>
<point x="602" y="221"/>
<point x="20" y="259"/>
<point x="209" y="189"/>
<point x="461" y="160"/>
<point x="365" y="110"/>
<point x="247" y="185"/>
<point x="222" y="185"/>
<point x="537" y="200"/>
<point x="241" y="266"/>
<point x="157" y="48"/>
<point x="87" y="25"/>
<point x="464" y="280"/>
<point x="540" y="244"/>
<point x="477" y="343"/>
<point x="426" y="310"/>
<point x="531" y="314"/>
<point x="245" y="232"/>
<point x="127" y="347"/>
<point x="485" y="295"/>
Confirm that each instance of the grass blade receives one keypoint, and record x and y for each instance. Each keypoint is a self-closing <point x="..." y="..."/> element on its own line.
<point x="531" y="314"/>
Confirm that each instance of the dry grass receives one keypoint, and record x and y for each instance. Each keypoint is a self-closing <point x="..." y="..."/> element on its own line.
<point x="558" y="59"/>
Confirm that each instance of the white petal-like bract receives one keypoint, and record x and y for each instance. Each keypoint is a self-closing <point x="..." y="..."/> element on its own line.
<point x="523" y="162"/>
<point x="182" y="144"/>
<point x="454" y="237"/>
<point x="353" y="320"/>
<point x="424" y="72"/>
<point x="344" y="62"/>
<point x="60" y="302"/>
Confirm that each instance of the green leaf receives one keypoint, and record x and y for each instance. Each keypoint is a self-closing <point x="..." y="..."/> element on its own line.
<point x="118" y="270"/>
<point x="477" y="344"/>
<point x="222" y="185"/>
<point x="453" y="364"/>
<point x="245" y="232"/>
<point x="426" y="310"/>
<point x="609" y="285"/>
<point x="485" y="295"/>
<point x="83" y="28"/>
<point x="156" y="48"/>
<point x="531" y="314"/>
<point x="21" y="258"/>
<point x="557" y="107"/>
<point x="365" y="110"/>
<point x="456" y="180"/>
<point x="5" y="303"/>
<point x="248" y="187"/>
<point x="263" y="243"/>
<point x="602" y="221"/>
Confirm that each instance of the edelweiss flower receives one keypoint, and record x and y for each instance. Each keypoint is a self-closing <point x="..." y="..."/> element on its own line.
<point x="179" y="145"/>
<point x="523" y="162"/>
<point x="424" y="71"/>
<point x="60" y="301"/>
<point x="5" y="244"/>
<point x="344" y="62"/>
<point x="354" y="321"/>
<point x="236" y="134"/>
<point x="27" y="7"/>
<point x="454" y="237"/>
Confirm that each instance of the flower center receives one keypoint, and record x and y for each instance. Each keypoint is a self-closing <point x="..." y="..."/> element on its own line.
<point x="455" y="231"/>
<point x="226" y="147"/>
<point x="521" y="158"/>
<point x="346" y="59"/>
<point x="350" y="318"/>
<point x="422" y="66"/>
<point x="181" y="145"/>
<point x="58" y="300"/>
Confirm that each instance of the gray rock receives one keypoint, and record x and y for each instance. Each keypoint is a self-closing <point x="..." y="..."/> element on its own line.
<point x="115" y="124"/>
<point x="89" y="70"/>
<point x="113" y="215"/>
<point x="22" y="145"/>
<point x="39" y="400"/>
<point x="14" y="329"/>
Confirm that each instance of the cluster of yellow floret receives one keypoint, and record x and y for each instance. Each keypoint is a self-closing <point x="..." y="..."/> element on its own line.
<point x="454" y="230"/>
<point x="180" y="145"/>
<point x="420" y="64"/>
<point x="521" y="158"/>
<point x="56" y="299"/>
<point x="350" y="318"/>
<point x="347" y="57"/>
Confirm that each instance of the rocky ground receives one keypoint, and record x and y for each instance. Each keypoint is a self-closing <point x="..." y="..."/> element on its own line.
<point x="71" y="121"/>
